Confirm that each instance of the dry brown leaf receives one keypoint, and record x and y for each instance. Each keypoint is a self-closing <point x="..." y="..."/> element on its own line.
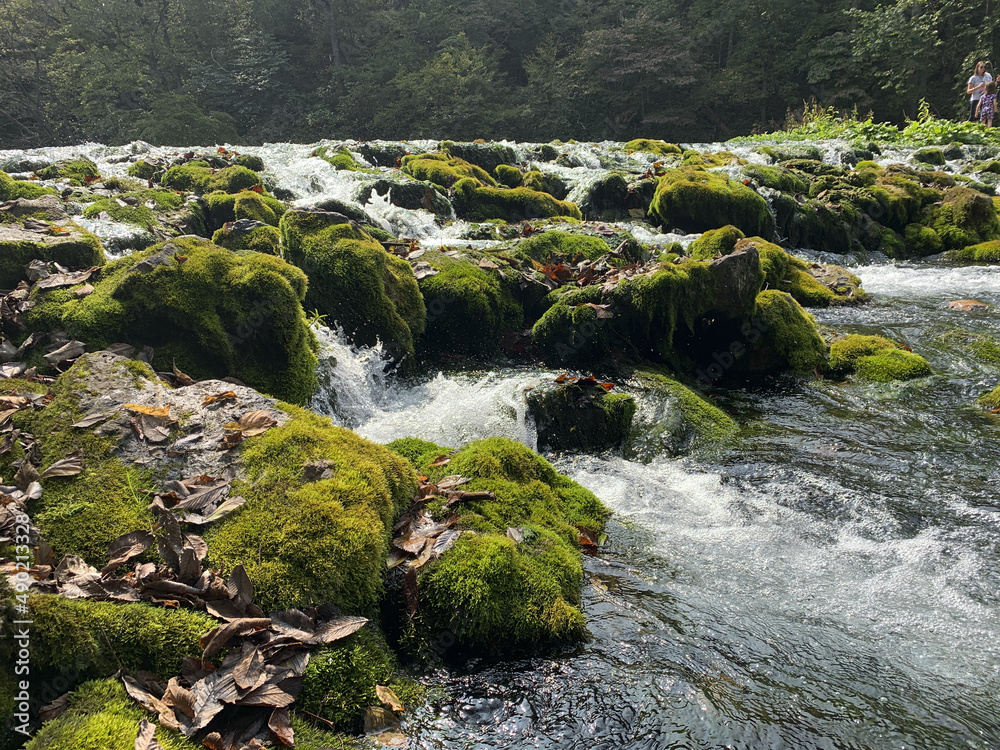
<point x="163" y="412"/>
<point x="217" y="398"/>
<point x="95" y="417"/>
<point x="181" y="377"/>
<point x="253" y="423"/>
<point x="146" y="739"/>
<point x="280" y="723"/>
<point x="389" y="698"/>
<point x="69" y="466"/>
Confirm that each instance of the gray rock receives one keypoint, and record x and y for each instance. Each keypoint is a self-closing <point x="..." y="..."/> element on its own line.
<point x="738" y="278"/>
<point x="48" y="206"/>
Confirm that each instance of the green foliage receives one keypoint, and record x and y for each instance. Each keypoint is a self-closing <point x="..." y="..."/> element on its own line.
<point x="214" y="314"/>
<point x="177" y="120"/>
<point x="306" y="542"/>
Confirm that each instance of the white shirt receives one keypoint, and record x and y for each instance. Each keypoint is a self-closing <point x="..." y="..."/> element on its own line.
<point x="975" y="81"/>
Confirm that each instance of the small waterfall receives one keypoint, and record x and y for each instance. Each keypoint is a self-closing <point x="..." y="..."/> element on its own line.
<point x="352" y="380"/>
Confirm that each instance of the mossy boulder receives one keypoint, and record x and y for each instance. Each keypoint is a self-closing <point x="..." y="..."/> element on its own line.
<point x="982" y="347"/>
<point x="983" y="252"/>
<point x="545" y="182"/>
<point x="874" y="358"/>
<point x="990" y="400"/>
<point x="930" y="155"/>
<point x="476" y="203"/>
<point x="77" y="171"/>
<point x="515" y="583"/>
<point x="788" y="336"/>
<point x="444" y="170"/>
<point x="508" y="176"/>
<point x="672" y="418"/>
<point x="143" y="169"/>
<point x="226" y="207"/>
<point x="144" y="208"/>
<point x="580" y="416"/>
<point x="468" y="307"/>
<point x="11" y="189"/>
<point x="547" y="246"/>
<point x="405" y="192"/>
<point x="305" y="540"/>
<point x="779" y="178"/>
<point x="487" y="156"/>
<point x="697" y="201"/>
<point x="210" y="311"/>
<point x="811" y="284"/>
<point x="339" y="159"/>
<point x="650" y="146"/>
<point x="715" y="242"/>
<point x="64" y="243"/>
<point x="964" y="217"/>
<point x="789" y="152"/>
<point x="193" y="178"/>
<point x="371" y="294"/>
<point x="246" y="235"/>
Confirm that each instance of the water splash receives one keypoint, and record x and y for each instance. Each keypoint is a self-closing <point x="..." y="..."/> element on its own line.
<point x="352" y="380"/>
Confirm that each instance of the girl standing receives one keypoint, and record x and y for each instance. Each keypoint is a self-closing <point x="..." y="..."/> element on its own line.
<point x="988" y="104"/>
<point x="976" y="86"/>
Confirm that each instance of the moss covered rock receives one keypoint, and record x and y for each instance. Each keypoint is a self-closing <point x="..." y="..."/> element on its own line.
<point x="715" y="242"/>
<point x="788" y="340"/>
<point x="930" y="155"/>
<point x="547" y="246"/>
<point x="580" y="417"/>
<point x="468" y="307"/>
<point x="990" y="400"/>
<point x="305" y="539"/>
<point x="444" y="170"/>
<point x="64" y="243"/>
<point x="811" y="284"/>
<point x="649" y="146"/>
<point x="874" y="358"/>
<point x="193" y="178"/>
<point x="225" y="207"/>
<point x="789" y="152"/>
<point x="339" y="159"/>
<point x="11" y="189"/>
<point x="77" y="171"/>
<point x="406" y="192"/>
<point x="476" y="203"/>
<point x="964" y="217"/>
<point x="697" y="201"/>
<point x="508" y="176"/>
<point x="500" y="591"/>
<point x="245" y="235"/>
<point x="983" y="252"/>
<point x="371" y="294"/>
<point x="487" y="156"/>
<point x="209" y="310"/>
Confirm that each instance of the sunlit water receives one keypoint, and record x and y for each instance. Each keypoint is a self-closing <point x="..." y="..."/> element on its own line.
<point x="831" y="581"/>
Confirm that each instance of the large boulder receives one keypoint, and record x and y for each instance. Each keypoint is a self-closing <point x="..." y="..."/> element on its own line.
<point x="580" y="415"/>
<point x="60" y="241"/>
<point x="696" y="200"/>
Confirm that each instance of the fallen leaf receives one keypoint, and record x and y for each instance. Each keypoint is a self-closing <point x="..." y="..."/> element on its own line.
<point x="69" y="466"/>
<point x="442" y="460"/>
<point x="146" y="739"/>
<point x="253" y="423"/>
<point x="181" y="377"/>
<point x="95" y="417"/>
<point x="153" y="411"/>
<point x="125" y="547"/>
<point x="337" y="629"/>
<point x="967" y="305"/>
<point x="389" y="698"/>
<point x="280" y="723"/>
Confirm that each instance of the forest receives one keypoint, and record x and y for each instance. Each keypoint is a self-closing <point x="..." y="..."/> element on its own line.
<point x="250" y="71"/>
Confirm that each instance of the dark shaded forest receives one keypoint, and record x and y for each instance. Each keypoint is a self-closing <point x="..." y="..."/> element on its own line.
<point x="207" y="71"/>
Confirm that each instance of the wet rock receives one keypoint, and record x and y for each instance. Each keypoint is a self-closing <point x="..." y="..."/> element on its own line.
<point x="47" y="207"/>
<point x="580" y="417"/>
<point x="738" y="279"/>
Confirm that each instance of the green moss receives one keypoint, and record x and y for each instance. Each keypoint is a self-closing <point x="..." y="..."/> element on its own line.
<point x="646" y="145"/>
<point x="545" y="246"/>
<point x="258" y="240"/>
<point x="340" y="160"/>
<point x="354" y="281"/>
<point x="96" y="639"/>
<point x="982" y="347"/>
<point x="247" y="204"/>
<point x="789" y="339"/>
<point x="143" y="170"/>
<point x="789" y="152"/>
<point x="508" y="176"/>
<point x="305" y="542"/>
<point x="101" y="716"/>
<point x="468" y="307"/>
<point x="11" y="189"/>
<point x="139" y="214"/>
<point x="921" y="240"/>
<point x="77" y="171"/>
<point x="699" y="160"/>
<point x="790" y="274"/>
<point x="201" y="180"/>
<point x="983" y="252"/>
<point x="444" y="170"/>
<point x="476" y="203"/>
<point x="845" y="352"/>
<point x="891" y="364"/>
<point x="340" y="679"/>
<point x="715" y="242"/>
<point x="868" y="164"/>
<point x="80" y="249"/>
<point x="990" y="400"/>
<point x="778" y="178"/>
<point x="674" y="418"/>
<point x="545" y="182"/>
<point x="930" y="155"/>
<point x="493" y="593"/>
<point x="215" y="314"/>
<point x="698" y="201"/>
<point x="964" y="217"/>
<point x="485" y="155"/>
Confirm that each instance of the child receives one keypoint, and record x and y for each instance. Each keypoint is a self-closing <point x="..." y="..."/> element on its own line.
<point x="988" y="104"/>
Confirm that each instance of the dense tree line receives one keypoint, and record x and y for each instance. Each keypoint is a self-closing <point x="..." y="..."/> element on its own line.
<point x="206" y="71"/>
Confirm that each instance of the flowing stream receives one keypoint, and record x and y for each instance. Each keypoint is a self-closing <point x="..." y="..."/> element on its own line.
<point x="831" y="580"/>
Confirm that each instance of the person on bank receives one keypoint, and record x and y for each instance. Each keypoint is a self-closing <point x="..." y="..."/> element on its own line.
<point x="988" y="104"/>
<point x="976" y="86"/>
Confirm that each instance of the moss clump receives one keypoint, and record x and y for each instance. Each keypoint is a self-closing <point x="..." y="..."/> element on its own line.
<point x="486" y="155"/>
<point x="131" y="207"/>
<point x="779" y="178"/>
<point x="648" y="146"/>
<point x="444" y="170"/>
<point x="789" y="152"/>
<point x="874" y="358"/>
<point x="929" y="155"/>
<point x="143" y="170"/>
<point x="476" y="203"/>
<point x="982" y="347"/>
<point x="73" y="248"/>
<point x="468" y="307"/>
<point x="202" y="179"/>
<point x="793" y="275"/>
<point x="258" y="240"/>
<point x="77" y="171"/>
<point x="355" y="282"/>
<point x="304" y="542"/>
<point x="493" y="593"/>
<point x="545" y="182"/>
<point x="96" y="639"/>
<point x="214" y="313"/>
<point x="340" y="159"/>
<point x="11" y="189"/>
<point x="340" y="680"/>
<point x="789" y="339"/>
<point x="990" y="400"/>
<point x="544" y="247"/>
<point x="101" y="716"/>
<point x="921" y="240"/>
<point x="581" y="418"/>
<point x="698" y="201"/>
<point x="674" y="419"/>
<point x="508" y="176"/>
<point x="715" y="242"/>
<point x="984" y="252"/>
<point x="964" y="217"/>
<point x="247" y="204"/>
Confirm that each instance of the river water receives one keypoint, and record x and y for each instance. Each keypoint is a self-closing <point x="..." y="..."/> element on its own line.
<point x="830" y="580"/>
